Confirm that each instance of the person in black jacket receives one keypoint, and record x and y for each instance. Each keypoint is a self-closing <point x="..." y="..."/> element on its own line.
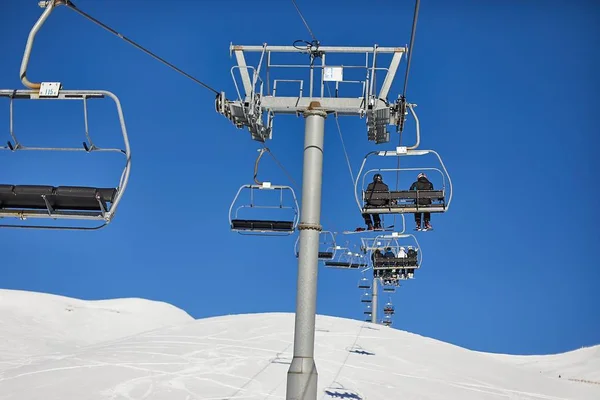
<point x="376" y="186"/>
<point x="422" y="183"/>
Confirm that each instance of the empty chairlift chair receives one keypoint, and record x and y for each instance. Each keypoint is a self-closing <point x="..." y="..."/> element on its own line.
<point x="327" y="247"/>
<point x="346" y="259"/>
<point x="259" y="224"/>
<point x="61" y="203"/>
<point x="366" y="298"/>
<point x="364" y="283"/>
<point x="96" y="206"/>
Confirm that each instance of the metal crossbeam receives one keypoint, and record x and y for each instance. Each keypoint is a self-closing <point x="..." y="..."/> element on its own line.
<point x="255" y="100"/>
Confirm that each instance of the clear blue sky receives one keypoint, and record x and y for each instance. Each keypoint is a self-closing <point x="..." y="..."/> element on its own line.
<point x="506" y="93"/>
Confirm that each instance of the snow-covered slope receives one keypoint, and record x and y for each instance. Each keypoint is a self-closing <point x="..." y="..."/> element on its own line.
<point x="581" y="364"/>
<point x="247" y="357"/>
<point x="38" y="323"/>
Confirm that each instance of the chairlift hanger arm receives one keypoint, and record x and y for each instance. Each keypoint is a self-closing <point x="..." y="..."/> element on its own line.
<point x="49" y="6"/>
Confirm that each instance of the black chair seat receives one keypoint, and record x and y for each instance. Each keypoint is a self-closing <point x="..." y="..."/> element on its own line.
<point x="262" y="225"/>
<point x="436" y="195"/>
<point x="61" y="198"/>
<point x="326" y="255"/>
<point x="381" y="263"/>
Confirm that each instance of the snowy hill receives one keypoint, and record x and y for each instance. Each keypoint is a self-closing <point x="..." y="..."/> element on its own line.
<point x="247" y="357"/>
<point x="39" y="323"/>
<point x="582" y="364"/>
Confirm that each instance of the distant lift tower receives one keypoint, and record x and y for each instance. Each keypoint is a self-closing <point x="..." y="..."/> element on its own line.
<point x="354" y="94"/>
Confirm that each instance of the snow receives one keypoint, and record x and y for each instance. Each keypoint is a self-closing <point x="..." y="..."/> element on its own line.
<point x="38" y="323"/>
<point x="151" y="350"/>
<point x="582" y="364"/>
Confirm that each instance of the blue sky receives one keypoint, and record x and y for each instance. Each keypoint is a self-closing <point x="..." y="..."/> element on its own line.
<point x="506" y="93"/>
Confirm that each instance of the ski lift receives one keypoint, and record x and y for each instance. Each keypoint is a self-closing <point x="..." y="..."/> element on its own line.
<point x="400" y="260"/>
<point x="263" y="226"/>
<point x="368" y="310"/>
<point x="387" y="320"/>
<point x="364" y="283"/>
<point x="327" y="247"/>
<point x="366" y="298"/>
<point x="389" y="289"/>
<point x="96" y="206"/>
<point x="347" y="259"/>
<point x="388" y="309"/>
<point x="404" y="201"/>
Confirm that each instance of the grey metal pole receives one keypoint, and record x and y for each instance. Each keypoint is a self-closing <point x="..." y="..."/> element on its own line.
<point x="374" y="301"/>
<point x="302" y="375"/>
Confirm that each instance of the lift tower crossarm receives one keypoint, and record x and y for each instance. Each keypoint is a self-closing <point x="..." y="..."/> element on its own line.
<point x="256" y="105"/>
<point x="324" y="49"/>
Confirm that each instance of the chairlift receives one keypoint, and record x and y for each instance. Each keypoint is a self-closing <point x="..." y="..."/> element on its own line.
<point x="388" y="309"/>
<point x="364" y="283"/>
<point x="366" y="298"/>
<point x="327" y="246"/>
<point x="403" y="201"/>
<point x="368" y="310"/>
<point x="387" y="320"/>
<point x="406" y="257"/>
<point x="347" y="259"/>
<point x="263" y="226"/>
<point x="96" y="206"/>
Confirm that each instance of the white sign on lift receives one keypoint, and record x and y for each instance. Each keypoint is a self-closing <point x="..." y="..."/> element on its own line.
<point x="335" y="74"/>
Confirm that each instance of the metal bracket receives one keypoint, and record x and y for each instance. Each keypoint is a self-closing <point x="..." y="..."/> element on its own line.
<point x="255" y="110"/>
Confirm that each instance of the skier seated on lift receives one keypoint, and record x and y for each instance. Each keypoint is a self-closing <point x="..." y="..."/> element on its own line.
<point x="422" y="183"/>
<point x="376" y="254"/>
<point x="389" y="253"/>
<point x="376" y="186"/>
<point x="402" y="252"/>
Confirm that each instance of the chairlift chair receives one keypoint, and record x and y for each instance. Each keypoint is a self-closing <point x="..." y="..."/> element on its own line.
<point x="395" y="268"/>
<point x="391" y="288"/>
<point x="96" y="206"/>
<point x="366" y="298"/>
<point x="368" y="310"/>
<point x="264" y="227"/>
<point x="364" y="283"/>
<point x="387" y="320"/>
<point x="347" y="259"/>
<point x="388" y="309"/>
<point x="327" y="246"/>
<point x="403" y="201"/>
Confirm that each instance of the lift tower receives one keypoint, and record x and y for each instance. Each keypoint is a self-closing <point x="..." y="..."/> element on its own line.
<point x="255" y="109"/>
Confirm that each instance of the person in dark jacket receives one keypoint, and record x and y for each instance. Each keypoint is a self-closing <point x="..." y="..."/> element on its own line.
<point x="422" y="183"/>
<point x="389" y="253"/>
<point x="376" y="186"/>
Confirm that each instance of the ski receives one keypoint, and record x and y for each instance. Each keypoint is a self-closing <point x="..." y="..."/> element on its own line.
<point x="423" y="229"/>
<point x="363" y="230"/>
